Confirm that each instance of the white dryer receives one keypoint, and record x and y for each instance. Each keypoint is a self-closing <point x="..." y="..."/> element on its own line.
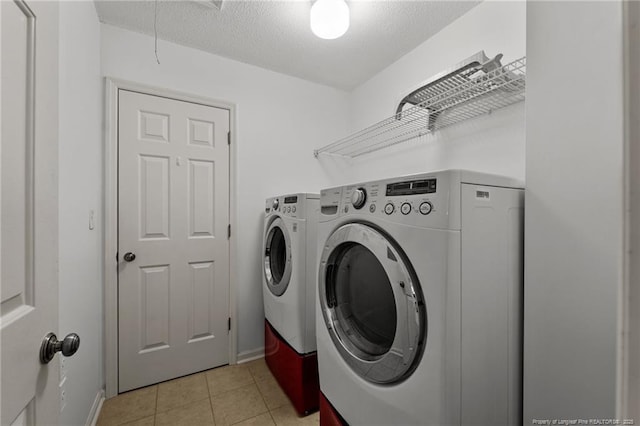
<point x="419" y="308"/>
<point x="288" y="287"/>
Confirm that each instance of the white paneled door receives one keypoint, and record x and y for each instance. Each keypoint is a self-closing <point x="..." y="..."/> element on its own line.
<point x="29" y="213"/>
<point x="173" y="248"/>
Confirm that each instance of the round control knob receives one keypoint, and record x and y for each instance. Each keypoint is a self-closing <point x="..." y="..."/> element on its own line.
<point x="389" y="208"/>
<point x="425" y="208"/>
<point x="405" y="208"/>
<point x="289" y="209"/>
<point x="358" y="198"/>
<point x="275" y="204"/>
<point x="293" y="209"/>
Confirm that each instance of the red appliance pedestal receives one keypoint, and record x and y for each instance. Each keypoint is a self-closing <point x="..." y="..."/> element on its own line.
<point x="328" y="415"/>
<point x="297" y="374"/>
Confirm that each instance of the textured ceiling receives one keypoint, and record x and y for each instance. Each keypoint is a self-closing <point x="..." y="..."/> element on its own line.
<point x="276" y="35"/>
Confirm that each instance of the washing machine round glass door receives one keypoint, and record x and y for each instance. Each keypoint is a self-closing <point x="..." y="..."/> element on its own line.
<point x="277" y="257"/>
<point x="372" y="303"/>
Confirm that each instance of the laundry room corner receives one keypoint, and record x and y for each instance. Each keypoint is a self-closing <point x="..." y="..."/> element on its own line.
<point x="277" y="117"/>
<point x="80" y="211"/>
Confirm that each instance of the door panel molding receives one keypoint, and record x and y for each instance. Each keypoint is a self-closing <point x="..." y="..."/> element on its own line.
<point x="112" y="86"/>
<point x="29" y="303"/>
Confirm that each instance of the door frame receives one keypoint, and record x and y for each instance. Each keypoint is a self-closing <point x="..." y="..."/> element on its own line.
<point x="112" y="86"/>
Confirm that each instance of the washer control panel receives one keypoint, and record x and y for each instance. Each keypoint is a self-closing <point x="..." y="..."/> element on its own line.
<point x="289" y="205"/>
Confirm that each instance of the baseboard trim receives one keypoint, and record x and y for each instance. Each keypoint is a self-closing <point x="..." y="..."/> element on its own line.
<point x="251" y="355"/>
<point x="92" y="420"/>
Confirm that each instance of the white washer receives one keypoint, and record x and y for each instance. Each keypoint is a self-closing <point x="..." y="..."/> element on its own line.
<point x="419" y="314"/>
<point x="289" y="268"/>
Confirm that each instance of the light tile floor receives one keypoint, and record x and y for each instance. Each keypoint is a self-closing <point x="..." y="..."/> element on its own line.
<point x="243" y="395"/>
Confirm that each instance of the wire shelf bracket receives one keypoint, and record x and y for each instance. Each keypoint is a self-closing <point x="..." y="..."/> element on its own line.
<point x="475" y="87"/>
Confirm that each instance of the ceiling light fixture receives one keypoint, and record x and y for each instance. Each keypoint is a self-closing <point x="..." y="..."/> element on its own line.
<point x="329" y="18"/>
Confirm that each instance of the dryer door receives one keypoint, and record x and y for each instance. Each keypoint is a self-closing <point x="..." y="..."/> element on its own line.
<point x="372" y="303"/>
<point x="277" y="257"/>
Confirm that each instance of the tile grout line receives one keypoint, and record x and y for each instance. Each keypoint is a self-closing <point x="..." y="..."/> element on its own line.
<point x="255" y="382"/>
<point x="213" y="416"/>
<point x="155" y="412"/>
<point x="272" y="418"/>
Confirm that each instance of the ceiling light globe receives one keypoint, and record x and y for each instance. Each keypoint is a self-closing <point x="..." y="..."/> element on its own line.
<point x="329" y="18"/>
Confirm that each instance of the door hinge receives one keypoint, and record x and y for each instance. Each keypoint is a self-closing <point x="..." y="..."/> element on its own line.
<point x="229" y="324"/>
<point x="228" y="231"/>
<point x="228" y="138"/>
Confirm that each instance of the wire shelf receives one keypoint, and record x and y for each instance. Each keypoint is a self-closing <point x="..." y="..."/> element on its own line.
<point x="449" y="100"/>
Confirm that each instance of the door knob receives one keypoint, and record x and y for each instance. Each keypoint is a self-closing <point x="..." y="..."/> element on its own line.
<point x="129" y="257"/>
<point x="50" y="345"/>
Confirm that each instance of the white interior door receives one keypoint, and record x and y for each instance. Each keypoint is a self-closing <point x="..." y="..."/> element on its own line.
<point x="29" y="212"/>
<point x="173" y="213"/>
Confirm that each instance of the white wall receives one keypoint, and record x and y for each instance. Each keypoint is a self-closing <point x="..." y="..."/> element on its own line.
<point x="574" y="216"/>
<point x="80" y="189"/>
<point x="280" y="119"/>
<point x="493" y="143"/>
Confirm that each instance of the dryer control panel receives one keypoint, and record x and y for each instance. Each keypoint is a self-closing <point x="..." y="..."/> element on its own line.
<point x="421" y="200"/>
<point x="405" y="198"/>
<point x="406" y="190"/>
